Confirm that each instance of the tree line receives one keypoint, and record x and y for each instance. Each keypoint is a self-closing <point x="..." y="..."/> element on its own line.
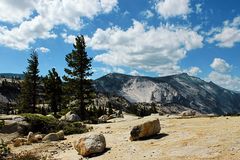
<point x="75" y="91"/>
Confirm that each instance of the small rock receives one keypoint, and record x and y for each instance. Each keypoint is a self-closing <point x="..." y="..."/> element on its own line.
<point x="50" y="115"/>
<point x="60" y="135"/>
<point x="103" y="119"/>
<point x="71" y="117"/>
<point x="51" y="137"/>
<point x="31" y="138"/>
<point x="90" y="144"/>
<point x="112" y="116"/>
<point x="108" y="127"/>
<point x="38" y="137"/>
<point x="19" y="142"/>
<point x="119" y="114"/>
<point x="188" y="113"/>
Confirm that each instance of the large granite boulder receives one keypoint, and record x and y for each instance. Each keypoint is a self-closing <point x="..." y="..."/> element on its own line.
<point x="13" y="123"/>
<point x="146" y="129"/>
<point x="90" y="144"/>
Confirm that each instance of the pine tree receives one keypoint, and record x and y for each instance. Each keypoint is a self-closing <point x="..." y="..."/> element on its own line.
<point x="78" y="71"/>
<point x="29" y="86"/>
<point x="53" y="90"/>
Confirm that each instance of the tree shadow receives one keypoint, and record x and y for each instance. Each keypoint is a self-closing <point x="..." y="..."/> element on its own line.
<point x="99" y="154"/>
<point x="156" y="136"/>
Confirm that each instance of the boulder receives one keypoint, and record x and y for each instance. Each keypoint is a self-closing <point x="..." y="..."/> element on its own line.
<point x="51" y="137"/>
<point x="119" y="114"/>
<point x="71" y="117"/>
<point x="50" y="115"/>
<point x="90" y="144"/>
<point x="188" y="113"/>
<point x="146" y="129"/>
<point x="112" y="116"/>
<point x="38" y="137"/>
<point x="13" y="123"/>
<point x="60" y="135"/>
<point x="12" y="117"/>
<point x="12" y="126"/>
<point x="19" y="118"/>
<point x="31" y="138"/>
<point x="103" y="119"/>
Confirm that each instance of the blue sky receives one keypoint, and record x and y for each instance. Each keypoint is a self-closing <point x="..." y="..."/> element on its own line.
<point x="137" y="37"/>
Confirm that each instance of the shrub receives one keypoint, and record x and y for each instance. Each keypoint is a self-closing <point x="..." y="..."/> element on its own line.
<point x="141" y="109"/>
<point x="4" y="150"/>
<point x="2" y="123"/>
<point x="40" y="123"/>
<point x="72" y="127"/>
<point x="47" y="124"/>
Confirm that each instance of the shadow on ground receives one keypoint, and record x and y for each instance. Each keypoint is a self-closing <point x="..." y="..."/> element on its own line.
<point x="157" y="136"/>
<point x="99" y="154"/>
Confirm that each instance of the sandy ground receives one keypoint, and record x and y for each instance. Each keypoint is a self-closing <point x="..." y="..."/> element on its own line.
<point x="209" y="138"/>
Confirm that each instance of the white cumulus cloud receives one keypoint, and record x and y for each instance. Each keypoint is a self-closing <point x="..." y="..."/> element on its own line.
<point x="172" y="8"/>
<point x="229" y="35"/>
<point x="68" y="38"/>
<point x="143" y="47"/>
<point x="15" y="11"/>
<point x="225" y="80"/>
<point x="28" y="31"/>
<point x="221" y="75"/>
<point x="118" y="70"/>
<point x="43" y="49"/>
<point x="47" y="15"/>
<point x="220" y="65"/>
<point x="193" y="71"/>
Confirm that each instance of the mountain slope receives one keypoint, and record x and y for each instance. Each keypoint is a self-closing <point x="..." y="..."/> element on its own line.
<point x="12" y="75"/>
<point x="180" y="89"/>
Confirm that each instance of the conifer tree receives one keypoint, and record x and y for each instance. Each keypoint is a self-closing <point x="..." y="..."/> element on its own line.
<point x="29" y="86"/>
<point x="77" y="79"/>
<point x="53" y="90"/>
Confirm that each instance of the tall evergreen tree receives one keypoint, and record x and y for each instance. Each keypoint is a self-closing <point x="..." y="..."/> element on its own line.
<point x="78" y="71"/>
<point x="53" y="90"/>
<point x="29" y="86"/>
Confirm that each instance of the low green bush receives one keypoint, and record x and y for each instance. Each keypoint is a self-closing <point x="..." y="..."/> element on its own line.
<point x="72" y="127"/>
<point x="41" y="123"/>
<point x="4" y="149"/>
<point x="48" y="124"/>
<point x="2" y="123"/>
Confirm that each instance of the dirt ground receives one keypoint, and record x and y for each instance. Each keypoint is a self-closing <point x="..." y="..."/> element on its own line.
<point x="206" y="138"/>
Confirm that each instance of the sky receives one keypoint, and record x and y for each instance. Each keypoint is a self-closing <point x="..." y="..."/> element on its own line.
<point x="136" y="37"/>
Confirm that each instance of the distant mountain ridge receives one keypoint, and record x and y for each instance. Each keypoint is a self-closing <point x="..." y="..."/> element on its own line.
<point x="10" y="75"/>
<point x="181" y="90"/>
